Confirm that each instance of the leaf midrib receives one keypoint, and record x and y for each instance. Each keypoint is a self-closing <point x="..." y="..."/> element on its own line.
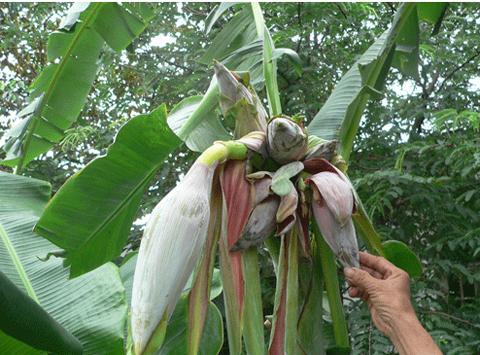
<point x="43" y="231"/>
<point x="125" y="201"/>
<point x="17" y="263"/>
<point x="54" y="81"/>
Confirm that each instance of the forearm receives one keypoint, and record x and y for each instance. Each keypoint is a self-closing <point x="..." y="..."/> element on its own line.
<point x="410" y="338"/>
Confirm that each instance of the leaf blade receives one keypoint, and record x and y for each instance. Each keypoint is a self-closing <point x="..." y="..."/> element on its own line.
<point x="91" y="307"/>
<point x="93" y="236"/>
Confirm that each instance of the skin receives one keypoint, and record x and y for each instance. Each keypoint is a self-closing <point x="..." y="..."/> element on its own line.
<point x="386" y="289"/>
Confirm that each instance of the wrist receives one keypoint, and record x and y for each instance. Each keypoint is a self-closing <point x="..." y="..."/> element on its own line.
<point x="403" y="322"/>
<point x="409" y="337"/>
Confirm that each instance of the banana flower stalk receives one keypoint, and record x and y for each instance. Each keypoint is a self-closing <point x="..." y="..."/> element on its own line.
<point x="171" y="246"/>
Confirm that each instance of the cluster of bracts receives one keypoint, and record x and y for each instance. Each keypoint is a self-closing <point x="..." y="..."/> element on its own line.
<point x="290" y="176"/>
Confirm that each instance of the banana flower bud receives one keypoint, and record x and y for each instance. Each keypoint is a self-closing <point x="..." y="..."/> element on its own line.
<point x="286" y="140"/>
<point x="333" y="205"/>
<point x="237" y="99"/>
<point x="170" y="248"/>
<point x="261" y="224"/>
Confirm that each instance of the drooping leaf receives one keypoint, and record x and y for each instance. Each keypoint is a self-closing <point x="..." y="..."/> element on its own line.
<point x="90" y="216"/>
<point x="216" y="13"/>
<point x="23" y="319"/>
<point x="60" y="91"/>
<point x="91" y="307"/>
<point x="291" y="54"/>
<point x="237" y="33"/>
<point x="399" y="254"/>
<point x="406" y="57"/>
<point x="340" y="115"/>
<point x="209" y="128"/>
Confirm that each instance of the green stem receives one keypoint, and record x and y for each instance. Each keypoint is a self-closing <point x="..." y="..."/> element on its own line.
<point x="269" y="64"/>
<point x="369" y="235"/>
<point x="253" y="333"/>
<point x="206" y="107"/>
<point x="222" y="151"/>
<point x="329" y="271"/>
<point x="291" y="306"/>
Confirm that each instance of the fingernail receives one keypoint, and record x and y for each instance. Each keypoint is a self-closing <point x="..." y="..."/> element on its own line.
<point x="348" y="271"/>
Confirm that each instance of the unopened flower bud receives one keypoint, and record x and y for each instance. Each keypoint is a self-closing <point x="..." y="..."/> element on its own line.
<point x="170" y="248"/>
<point x="286" y="140"/>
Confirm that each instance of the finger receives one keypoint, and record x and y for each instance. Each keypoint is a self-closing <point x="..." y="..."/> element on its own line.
<point x="359" y="278"/>
<point x="372" y="272"/>
<point x="353" y="292"/>
<point x="382" y="265"/>
<point x="365" y="297"/>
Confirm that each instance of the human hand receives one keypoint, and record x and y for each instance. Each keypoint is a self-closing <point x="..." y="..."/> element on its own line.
<point x="386" y="288"/>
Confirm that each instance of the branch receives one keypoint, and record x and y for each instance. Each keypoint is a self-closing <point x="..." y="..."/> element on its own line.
<point x="449" y="76"/>
<point x="341" y="10"/>
<point x="446" y="315"/>
<point x="391" y="8"/>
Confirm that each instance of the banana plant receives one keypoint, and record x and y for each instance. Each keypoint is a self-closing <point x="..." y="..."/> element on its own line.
<point x="268" y="181"/>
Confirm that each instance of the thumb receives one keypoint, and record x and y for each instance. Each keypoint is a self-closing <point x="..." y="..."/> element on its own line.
<point x="359" y="278"/>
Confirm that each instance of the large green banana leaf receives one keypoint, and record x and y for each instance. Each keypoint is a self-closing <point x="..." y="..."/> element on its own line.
<point x="340" y="115"/>
<point x="59" y="92"/>
<point x="91" y="215"/>
<point x="91" y="307"/>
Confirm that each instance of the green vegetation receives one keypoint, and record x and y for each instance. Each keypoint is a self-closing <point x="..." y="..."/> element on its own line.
<point x="398" y="86"/>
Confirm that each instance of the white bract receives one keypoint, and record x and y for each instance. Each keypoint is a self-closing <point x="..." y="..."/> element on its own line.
<point x="171" y="245"/>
